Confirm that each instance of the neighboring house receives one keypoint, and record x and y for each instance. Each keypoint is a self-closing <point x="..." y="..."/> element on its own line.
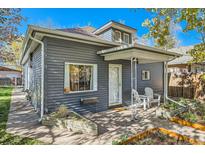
<point x="181" y="64"/>
<point x="89" y="70"/>
<point x="9" y="76"/>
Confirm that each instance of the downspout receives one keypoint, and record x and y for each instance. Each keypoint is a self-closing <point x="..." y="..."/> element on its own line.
<point x="166" y="85"/>
<point x="42" y="74"/>
<point x="131" y="67"/>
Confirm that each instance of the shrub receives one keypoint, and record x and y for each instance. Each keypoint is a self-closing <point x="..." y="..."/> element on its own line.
<point x="171" y="106"/>
<point x="200" y="109"/>
<point x="190" y="117"/>
<point x="62" y="111"/>
<point x="120" y="140"/>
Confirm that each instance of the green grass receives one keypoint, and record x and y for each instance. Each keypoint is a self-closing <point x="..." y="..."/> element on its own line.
<point x="5" y="99"/>
<point x="7" y="138"/>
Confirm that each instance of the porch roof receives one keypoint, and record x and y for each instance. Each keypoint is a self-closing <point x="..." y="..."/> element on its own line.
<point x="144" y="54"/>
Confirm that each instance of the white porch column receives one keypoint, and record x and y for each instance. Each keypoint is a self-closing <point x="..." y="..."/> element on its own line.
<point x="165" y="81"/>
<point x="133" y="76"/>
<point x="131" y="69"/>
<point x="136" y="63"/>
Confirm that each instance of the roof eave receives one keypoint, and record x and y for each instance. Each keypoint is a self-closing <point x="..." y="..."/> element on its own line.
<point x="32" y="29"/>
<point x="142" y="47"/>
<point x="110" y="24"/>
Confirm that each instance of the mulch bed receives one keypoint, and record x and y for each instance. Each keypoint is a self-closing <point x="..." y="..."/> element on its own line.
<point x="158" y="138"/>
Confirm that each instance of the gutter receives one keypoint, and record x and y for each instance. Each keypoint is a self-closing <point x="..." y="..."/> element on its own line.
<point x="42" y="74"/>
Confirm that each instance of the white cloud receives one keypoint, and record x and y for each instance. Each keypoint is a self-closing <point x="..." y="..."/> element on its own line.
<point x="144" y="41"/>
<point x="175" y="30"/>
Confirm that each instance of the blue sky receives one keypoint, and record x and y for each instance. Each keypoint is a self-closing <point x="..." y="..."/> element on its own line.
<point x="97" y="17"/>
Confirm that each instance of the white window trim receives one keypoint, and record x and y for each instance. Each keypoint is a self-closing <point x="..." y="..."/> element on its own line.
<point x="95" y="77"/>
<point x="149" y="75"/>
<point x="128" y="38"/>
<point x="117" y="31"/>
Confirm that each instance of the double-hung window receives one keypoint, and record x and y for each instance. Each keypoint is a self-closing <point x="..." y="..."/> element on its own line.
<point x="80" y="77"/>
<point x="117" y="36"/>
<point x="126" y="38"/>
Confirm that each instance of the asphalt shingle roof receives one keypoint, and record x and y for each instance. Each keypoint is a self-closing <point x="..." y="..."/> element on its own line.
<point x="87" y="31"/>
<point x="183" y="59"/>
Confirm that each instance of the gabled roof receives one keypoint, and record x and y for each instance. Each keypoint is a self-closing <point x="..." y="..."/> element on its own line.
<point x="77" y="35"/>
<point x="83" y="35"/>
<point x="116" y="25"/>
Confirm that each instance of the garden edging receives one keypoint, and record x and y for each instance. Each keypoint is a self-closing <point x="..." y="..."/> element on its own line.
<point x="164" y="131"/>
<point x="187" y="123"/>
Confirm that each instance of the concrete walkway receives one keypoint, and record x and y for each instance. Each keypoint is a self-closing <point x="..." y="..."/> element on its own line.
<point x="24" y="121"/>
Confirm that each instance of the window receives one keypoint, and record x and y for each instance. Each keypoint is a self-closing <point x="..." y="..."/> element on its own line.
<point x="117" y="36"/>
<point x="145" y="75"/>
<point x="126" y="38"/>
<point x="80" y="77"/>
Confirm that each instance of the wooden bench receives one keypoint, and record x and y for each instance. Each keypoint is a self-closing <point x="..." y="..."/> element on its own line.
<point x="90" y="100"/>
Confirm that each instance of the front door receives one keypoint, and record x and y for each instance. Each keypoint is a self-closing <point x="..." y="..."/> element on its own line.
<point x="115" y="84"/>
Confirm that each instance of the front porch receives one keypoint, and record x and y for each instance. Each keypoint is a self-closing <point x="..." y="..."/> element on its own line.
<point x="147" y="68"/>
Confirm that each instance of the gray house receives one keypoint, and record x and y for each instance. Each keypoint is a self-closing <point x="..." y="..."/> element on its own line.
<point x="89" y="70"/>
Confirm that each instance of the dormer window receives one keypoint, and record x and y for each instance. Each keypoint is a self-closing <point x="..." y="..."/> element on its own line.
<point x="126" y="38"/>
<point x="117" y="36"/>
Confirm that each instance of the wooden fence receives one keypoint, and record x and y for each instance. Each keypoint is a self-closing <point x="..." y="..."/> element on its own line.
<point x="185" y="92"/>
<point x="186" y="86"/>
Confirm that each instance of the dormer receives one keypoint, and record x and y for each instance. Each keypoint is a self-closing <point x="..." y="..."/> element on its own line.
<point x="116" y="32"/>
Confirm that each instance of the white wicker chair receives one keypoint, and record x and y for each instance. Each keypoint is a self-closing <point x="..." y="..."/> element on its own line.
<point x="152" y="98"/>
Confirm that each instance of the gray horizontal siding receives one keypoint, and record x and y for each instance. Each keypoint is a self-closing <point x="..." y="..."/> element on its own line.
<point x="36" y="78"/>
<point x="60" y="51"/>
<point x="107" y="35"/>
<point x="57" y="53"/>
<point x="156" y="77"/>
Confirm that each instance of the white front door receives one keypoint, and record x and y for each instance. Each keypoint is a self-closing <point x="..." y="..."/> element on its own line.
<point x="115" y="84"/>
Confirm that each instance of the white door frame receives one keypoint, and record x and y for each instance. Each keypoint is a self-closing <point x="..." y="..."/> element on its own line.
<point x="120" y="83"/>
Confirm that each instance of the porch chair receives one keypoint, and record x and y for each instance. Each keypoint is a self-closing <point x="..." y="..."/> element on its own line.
<point x="139" y="99"/>
<point x="152" y="97"/>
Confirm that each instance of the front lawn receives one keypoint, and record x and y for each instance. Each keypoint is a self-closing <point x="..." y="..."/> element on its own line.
<point x="5" y="98"/>
<point x="7" y="138"/>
